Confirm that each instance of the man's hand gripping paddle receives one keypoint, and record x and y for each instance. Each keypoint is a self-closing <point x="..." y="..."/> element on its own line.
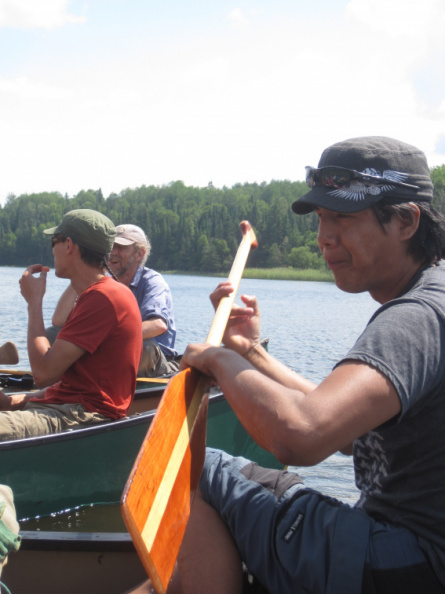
<point x="157" y="497"/>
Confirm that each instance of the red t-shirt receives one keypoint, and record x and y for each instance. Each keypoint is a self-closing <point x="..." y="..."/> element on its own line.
<point x="106" y="322"/>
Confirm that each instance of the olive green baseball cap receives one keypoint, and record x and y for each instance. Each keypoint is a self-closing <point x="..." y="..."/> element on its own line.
<point x="88" y="228"/>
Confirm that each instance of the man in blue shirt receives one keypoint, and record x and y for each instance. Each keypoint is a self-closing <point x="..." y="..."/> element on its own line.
<point x="128" y="256"/>
<point x="127" y="262"/>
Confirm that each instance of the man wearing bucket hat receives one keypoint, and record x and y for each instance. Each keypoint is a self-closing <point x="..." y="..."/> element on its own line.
<point x="89" y="374"/>
<point x="384" y="403"/>
<point x="127" y="262"/>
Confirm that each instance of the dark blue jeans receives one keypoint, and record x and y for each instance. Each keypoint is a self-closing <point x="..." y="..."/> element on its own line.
<point x="297" y="541"/>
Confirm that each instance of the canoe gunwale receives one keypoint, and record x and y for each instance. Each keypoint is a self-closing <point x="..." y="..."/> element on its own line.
<point x="36" y="540"/>
<point x="97" y="429"/>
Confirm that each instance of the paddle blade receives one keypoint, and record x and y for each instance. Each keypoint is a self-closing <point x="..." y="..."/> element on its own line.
<point x="156" y="500"/>
<point x="9" y="354"/>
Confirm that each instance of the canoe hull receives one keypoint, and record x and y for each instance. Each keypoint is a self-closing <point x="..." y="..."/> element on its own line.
<point x="73" y="562"/>
<point x="81" y="562"/>
<point x="88" y="466"/>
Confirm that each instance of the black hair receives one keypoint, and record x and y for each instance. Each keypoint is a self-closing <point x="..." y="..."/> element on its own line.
<point x="427" y="245"/>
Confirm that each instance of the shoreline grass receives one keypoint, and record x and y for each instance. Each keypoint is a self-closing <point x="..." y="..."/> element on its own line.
<point x="292" y="274"/>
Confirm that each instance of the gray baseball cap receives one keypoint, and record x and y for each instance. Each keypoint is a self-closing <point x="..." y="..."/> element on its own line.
<point x="357" y="173"/>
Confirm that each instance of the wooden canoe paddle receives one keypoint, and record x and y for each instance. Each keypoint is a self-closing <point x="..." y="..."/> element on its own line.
<point x="153" y="380"/>
<point x="9" y="354"/>
<point x="156" y="500"/>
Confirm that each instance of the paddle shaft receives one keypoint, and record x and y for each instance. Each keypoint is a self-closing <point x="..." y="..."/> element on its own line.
<point x="15" y="372"/>
<point x="154" y="380"/>
<point x="222" y="314"/>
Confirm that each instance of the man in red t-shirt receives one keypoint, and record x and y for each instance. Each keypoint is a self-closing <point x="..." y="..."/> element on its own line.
<point x="89" y="374"/>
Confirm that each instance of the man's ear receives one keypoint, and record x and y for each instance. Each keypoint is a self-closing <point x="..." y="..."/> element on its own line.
<point x="70" y="246"/>
<point x="409" y="223"/>
<point x="140" y="253"/>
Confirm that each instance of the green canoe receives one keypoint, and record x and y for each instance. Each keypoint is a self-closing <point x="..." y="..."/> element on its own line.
<point x="87" y="466"/>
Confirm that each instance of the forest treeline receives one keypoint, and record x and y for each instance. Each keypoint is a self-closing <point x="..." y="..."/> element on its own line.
<point x="191" y="229"/>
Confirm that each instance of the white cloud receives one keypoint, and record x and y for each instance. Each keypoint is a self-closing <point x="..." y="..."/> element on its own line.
<point x="407" y="54"/>
<point x="237" y="16"/>
<point x="213" y="70"/>
<point x="226" y="107"/>
<point x="26" y="89"/>
<point x="412" y="30"/>
<point x="36" y="14"/>
<point x="397" y="18"/>
<point x="241" y="19"/>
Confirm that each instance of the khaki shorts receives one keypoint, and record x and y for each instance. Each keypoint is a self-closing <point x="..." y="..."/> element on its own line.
<point x="42" y="419"/>
<point x="153" y="361"/>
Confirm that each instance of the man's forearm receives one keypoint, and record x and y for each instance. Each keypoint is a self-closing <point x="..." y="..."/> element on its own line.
<point x="274" y="369"/>
<point x="38" y="344"/>
<point x="153" y="327"/>
<point x="18" y="401"/>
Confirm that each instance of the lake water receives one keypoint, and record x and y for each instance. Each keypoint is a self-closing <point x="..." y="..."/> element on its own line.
<point x="310" y="326"/>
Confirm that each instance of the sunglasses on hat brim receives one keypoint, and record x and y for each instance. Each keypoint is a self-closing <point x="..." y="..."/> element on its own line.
<point x="57" y="239"/>
<point x="339" y="177"/>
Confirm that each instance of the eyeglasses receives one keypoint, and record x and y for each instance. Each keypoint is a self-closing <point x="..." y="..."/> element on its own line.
<point x="57" y="239"/>
<point x="339" y="177"/>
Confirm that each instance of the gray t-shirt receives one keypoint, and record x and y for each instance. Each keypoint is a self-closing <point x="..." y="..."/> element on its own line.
<point x="400" y="466"/>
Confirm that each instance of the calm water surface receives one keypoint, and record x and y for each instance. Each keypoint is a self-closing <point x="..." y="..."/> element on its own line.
<point x="310" y="326"/>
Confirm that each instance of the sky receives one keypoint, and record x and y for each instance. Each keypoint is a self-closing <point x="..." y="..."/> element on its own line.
<point x="116" y="94"/>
